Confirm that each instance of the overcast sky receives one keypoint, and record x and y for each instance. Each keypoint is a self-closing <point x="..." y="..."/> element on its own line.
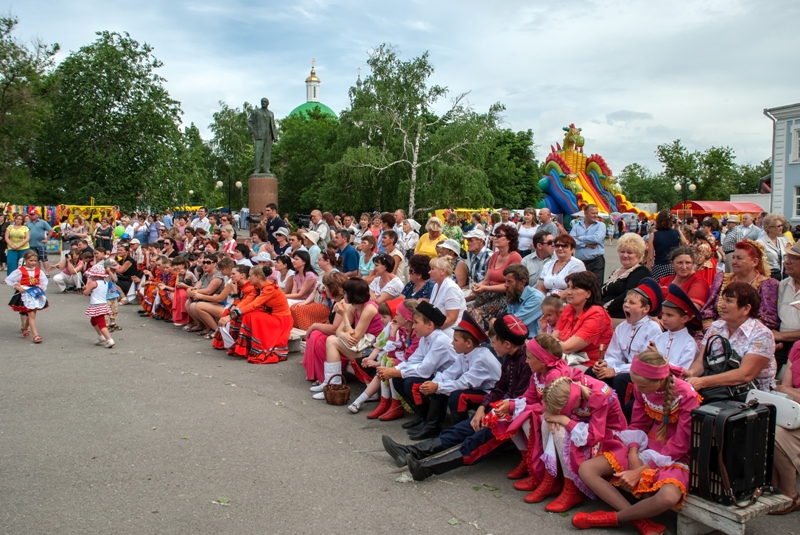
<point x="633" y="74"/>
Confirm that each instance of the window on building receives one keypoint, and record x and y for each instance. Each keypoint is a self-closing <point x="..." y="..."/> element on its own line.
<point x="797" y="201"/>
<point x="796" y="145"/>
<point x="315" y="92"/>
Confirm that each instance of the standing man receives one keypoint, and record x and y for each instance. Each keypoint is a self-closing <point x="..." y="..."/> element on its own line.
<point x="261" y="125"/>
<point x="731" y="238"/>
<point x="399" y="217"/>
<point x="272" y="223"/>
<point x="749" y="230"/>
<point x="347" y="224"/>
<point x="544" y="249"/>
<point x="319" y="226"/>
<point x="40" y="231"/>
<point x="478" y="255"/>
<point x="788" y="293"/>
<point x="167" y="220"/>
<point x="201" y="221"/>
<point x="546" y="223"/>
<point x="589" y="236"/>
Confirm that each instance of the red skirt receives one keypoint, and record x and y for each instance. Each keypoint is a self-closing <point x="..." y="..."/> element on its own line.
<point x="179" y="314"/>
<point x="264" y="338"/>
<point x="316" y="355"/>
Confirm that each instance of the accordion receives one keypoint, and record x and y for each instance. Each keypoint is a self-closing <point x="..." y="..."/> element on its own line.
<point x="732" y="449"/>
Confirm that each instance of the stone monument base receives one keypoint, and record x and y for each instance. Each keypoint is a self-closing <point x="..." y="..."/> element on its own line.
<point x="263" y="189"/>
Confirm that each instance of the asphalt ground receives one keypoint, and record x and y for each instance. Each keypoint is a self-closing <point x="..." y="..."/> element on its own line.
<point x="150" y="437"/>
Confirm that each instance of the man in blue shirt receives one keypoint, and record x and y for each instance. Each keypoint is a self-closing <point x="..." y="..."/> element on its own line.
<point x="167" y="220"/>
<point x="589" y="235"/>
<point x="523" y="301"/>
<point x="347" y="253"/>
<point x="40" y="232"/>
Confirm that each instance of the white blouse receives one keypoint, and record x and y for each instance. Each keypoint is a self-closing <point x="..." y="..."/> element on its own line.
<point x="394" y="287"/>
<point x="554" y="283"/>
<point x="446" y="297"/>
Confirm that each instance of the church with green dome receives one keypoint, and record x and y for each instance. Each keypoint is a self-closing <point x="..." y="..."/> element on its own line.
<point x="312" y="97"/>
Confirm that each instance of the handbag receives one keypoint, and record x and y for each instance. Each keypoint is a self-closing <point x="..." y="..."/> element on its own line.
<point x="720" y="357"/>
<point x="366" y="341"/>
<point x="788" y="412"/>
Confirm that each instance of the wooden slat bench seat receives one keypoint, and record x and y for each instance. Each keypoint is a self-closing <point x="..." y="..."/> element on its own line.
<point x="699" y="516"/>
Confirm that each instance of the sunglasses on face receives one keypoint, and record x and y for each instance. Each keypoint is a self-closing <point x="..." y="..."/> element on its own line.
<point x="498" y="235"/>
<point x="207" y="262"/>
<point x="411" y="272"/>
<point x="551" y="242"/>
<point x="561" y="246"/>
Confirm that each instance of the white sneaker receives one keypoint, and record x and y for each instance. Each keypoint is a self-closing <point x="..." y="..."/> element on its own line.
<point x="109" y="343"/>
<point x="100" y="341"/>
<point x="319" y="395"/>
<point x="354" y="408"/>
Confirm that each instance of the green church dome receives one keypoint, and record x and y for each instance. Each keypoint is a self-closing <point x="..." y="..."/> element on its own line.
<point x="306" y="107"/>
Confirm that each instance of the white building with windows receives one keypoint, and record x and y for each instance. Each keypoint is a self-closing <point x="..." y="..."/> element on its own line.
<point x="786" y="161"/>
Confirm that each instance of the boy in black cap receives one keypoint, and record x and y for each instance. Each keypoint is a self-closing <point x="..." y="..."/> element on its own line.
<point x="469" y="441"/>
<point x="434" y="353"/>
<point x="680" y="318"/>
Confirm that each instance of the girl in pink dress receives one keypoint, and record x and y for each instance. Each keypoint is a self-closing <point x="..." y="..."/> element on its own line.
<point x="650" y="459"/>
<point x="581" y="419"/>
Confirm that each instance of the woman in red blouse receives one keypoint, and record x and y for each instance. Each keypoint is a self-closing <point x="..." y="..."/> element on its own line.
<point x="684" y="261"/>
<point x="584" y="324"/>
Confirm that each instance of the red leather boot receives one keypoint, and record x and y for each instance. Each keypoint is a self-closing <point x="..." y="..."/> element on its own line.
<point x="648" y="527"/>
<point x="598" y="519"/>
<point x="569" y="498"/>
<point x="528" y="484"/>
<point x="382" y="407"/>
<point x="549" y="486"/>
<point x="394" y="411"/>
<point x="522" y="468"/>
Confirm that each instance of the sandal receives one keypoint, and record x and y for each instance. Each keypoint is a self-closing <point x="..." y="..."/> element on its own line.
<point x="209" y="335"/>
<point x="201" y="332"/>
<point x="38" y="339"/>
<point x="25" y="332"/>
<point x="794" y="506"/>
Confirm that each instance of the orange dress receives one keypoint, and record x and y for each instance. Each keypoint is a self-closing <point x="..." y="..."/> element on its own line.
<point x="266" y="325"/>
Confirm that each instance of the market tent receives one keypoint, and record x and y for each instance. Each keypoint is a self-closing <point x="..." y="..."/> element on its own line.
<point x="701" y="209"/>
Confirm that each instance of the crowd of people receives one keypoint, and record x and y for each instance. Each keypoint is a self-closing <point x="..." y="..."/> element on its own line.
<point x="511" y="328"/>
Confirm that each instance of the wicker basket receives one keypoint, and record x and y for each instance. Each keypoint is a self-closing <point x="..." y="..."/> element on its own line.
<point x="336" y="394"/>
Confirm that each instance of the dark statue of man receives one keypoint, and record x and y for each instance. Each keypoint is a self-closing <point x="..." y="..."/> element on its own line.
<point x="261" y="125"/>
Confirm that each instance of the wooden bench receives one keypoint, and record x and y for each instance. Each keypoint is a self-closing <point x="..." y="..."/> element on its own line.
<point x="297" y="341"/>
<point x="699" y="516"/>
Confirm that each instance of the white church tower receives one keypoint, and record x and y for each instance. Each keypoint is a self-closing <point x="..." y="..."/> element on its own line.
<point x="312" y="85"/>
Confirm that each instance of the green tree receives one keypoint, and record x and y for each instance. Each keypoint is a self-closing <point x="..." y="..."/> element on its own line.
<point x="396" y="145"/>
<point x="751" y="175"/>
<point x="307" y="143"/>
<point x="233" y="153"/>
<point x="197" y="164"/>
<point x="642" y="186"/>
<point x="23" y="108"/>
<point x="113" y="134"/>
<point x="512" y="170"/>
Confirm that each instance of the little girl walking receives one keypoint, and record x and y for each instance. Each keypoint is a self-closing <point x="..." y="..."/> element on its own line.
<point x="650" y="459"/>
<point x="30" y="284"/>
<point x="97" y="290"/>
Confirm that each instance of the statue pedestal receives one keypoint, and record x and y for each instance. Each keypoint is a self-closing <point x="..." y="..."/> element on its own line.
<point x="263" y="189"/>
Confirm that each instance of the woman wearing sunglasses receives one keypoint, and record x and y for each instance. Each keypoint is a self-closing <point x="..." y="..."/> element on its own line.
<point x="488" y="297"/>
<point x="552" y="279"/>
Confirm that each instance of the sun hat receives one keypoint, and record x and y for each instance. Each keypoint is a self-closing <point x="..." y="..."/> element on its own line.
<point x="450" y="244"/>
<point x="263" y="257"/>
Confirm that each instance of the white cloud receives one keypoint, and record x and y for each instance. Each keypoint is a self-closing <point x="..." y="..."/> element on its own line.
<point x="633" y="74"/>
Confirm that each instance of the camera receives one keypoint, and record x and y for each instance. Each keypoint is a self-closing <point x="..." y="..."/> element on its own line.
<point x="254" y="218"/>
<point x="302" y="220"/>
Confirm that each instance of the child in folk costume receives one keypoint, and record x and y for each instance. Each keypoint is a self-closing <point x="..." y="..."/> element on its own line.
<point x="474" y="372"/>
<point x="679" y="317"/>
<point x="185" y="279"/>
<point x="30" y="284"/>
<point x="165" y="289"/>
<point x="521" y="419"/>
<point x="148" y="290"/>
<point x="113" y="296"/>
<point x="245" y="293"/>
<point x="649" y="459"/>
<point x="580" y="419"/>
<point x="97" y="290"/>
<point x="389" y="349"/>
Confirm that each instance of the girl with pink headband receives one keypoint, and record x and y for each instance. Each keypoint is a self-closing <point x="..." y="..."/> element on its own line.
<point x="650" y="459"/>
<point x="521" y="419"/>
<point x="581" y="419"/>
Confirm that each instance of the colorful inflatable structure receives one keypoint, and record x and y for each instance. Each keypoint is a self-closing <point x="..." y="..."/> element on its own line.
<point x="572" y="180"/>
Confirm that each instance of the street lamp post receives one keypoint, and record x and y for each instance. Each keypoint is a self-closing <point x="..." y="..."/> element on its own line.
<point x="686" y="189"/>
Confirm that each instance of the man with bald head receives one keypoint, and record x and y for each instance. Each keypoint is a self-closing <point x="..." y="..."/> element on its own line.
<point x="749" y="230"/>
<point x="546" y="222"/>
<point x="319" y="226"/>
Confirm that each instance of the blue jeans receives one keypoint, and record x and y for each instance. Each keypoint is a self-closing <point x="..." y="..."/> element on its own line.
<point x="13" y="257"/>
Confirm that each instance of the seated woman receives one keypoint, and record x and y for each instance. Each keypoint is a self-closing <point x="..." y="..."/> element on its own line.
<point x="305" y="278"/>
<point x="786" y="464"/>
<point x="265" y="322"/>
<point x="452" y="249"/>
<point x="184" y="279"/>
<point x="283" y="274"/>
<point x="739" y="307"/>
<point x="704" y="248"/>
<point x="631" y="251"/>
<point x="210" y="283"/>
<point x="206" y="308"/>
<point x="359" y="318"/>
<point x="127" y="272"/>
<point x="683" y="262"/>
<point x="70" y="268"/>
<point x="419" y="285"/>
<point x="366" y="257"/>
<point x="317" y="334"/>
<point x="488" y="298"/>
<point x="317" y="307"/>
<point x="749" y="265"/>
<point x="584" y="325"/>
<point x="446" y="295"/>
<point x="427" y="242"/>
<point x="386" y="285"/>
<point x="242" y="293"/>
<point x="552" y="278"/>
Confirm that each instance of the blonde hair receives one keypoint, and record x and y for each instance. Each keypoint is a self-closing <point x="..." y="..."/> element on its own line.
<point x="550" y="344"/>
<point x="654" y="358"/>
<point x="443" y="262"/>
<point x="227" y="228"/>
<point x="411" y="305"/>
<point x="434" y="223"/>
<point x="556" y="394"/>
<point x="633" y="241"/>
